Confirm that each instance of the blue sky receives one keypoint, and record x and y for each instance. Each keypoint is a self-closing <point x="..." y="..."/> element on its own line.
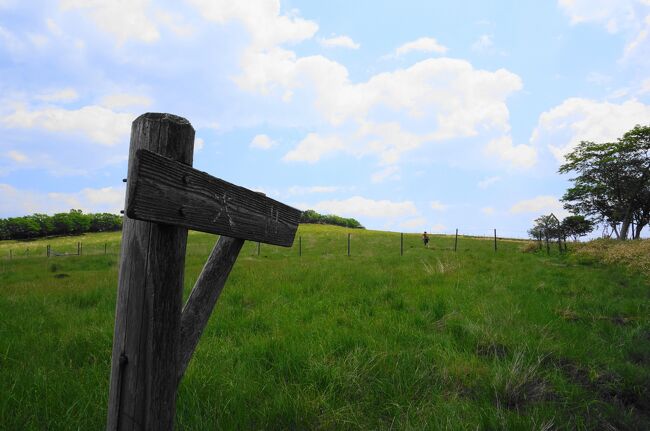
<point x="409" y="115"/>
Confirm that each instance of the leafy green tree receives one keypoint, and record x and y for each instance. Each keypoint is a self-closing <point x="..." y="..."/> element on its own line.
<point x="103" y="222"/>
<point x="4" y="231"/>
<point x="45" y="223"/>
<point x="311" y="216"/>
<point x="613" y="181"/>
<point x="22" y="228"/>
<point x="546" y="227"/>
<point x="576" y="226"/>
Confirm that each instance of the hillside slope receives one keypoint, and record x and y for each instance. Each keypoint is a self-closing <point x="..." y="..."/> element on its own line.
<point x="429" y="340"/>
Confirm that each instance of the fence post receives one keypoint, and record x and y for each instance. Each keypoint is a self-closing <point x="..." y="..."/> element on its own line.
<point x="104" y="248"/>
<point x="300" y="246"/>
<point x="548" y="247"/>
<point x="456" y="240"/>
<point x="495" y="240"/>
<point x="146" y="340"/>
<point x="401" y="244"/>
<point x="47" y="250"/>
<point x="348" y="244"/>
<point x="10" y="256"/>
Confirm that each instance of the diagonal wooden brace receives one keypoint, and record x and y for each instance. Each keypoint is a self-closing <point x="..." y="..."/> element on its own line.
<point x="204" y="296"/>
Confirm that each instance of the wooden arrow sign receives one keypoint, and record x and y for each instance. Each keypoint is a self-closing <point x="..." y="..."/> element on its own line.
<point x="163" y="190"/>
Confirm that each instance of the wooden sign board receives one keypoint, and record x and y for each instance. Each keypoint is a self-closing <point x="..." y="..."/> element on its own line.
<point x="162" y="190"/>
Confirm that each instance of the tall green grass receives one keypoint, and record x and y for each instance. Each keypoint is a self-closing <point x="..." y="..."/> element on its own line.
<point x="429" y="340"/>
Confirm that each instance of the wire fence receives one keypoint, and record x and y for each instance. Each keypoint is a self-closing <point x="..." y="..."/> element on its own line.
<point x="350" y="243"/>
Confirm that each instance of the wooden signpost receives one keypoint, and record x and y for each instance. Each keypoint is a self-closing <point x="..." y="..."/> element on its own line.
<point x="155" y="335"/>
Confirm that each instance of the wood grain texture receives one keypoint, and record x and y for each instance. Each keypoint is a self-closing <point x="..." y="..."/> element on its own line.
<point x="163" y="190"/>
<point x="149" y="299"/>
<point x="204" y="296"/>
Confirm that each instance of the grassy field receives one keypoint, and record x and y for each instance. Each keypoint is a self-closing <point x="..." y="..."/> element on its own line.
<point x="429" y="340"/>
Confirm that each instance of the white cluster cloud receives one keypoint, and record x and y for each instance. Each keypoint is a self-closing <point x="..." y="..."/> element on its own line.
<point x="389" y="173"/>
<point x="17" y="202"/>
<point x="17" y="156"/>
<point x="125" y="100"/>
<point x="630" y="17"/>
<point x="564" y="126"/>
<point x="266" y="26"/>
<point x="483" y="43"/>
<point x="520" y="156"/>
<point x="423" y="44"/>
<point x="262" y="142"/>
<point x="97" y="123"/>
<point x="459" y="100"/>
<point x="124" y="19"/>
<point x="438" y="206"/>
<point x="414" y="223"/>
<point x="62" y="95"/>
<point x="339" y="42"/>
<point x="540" y="205"/>
<point x="489" y="181"/>
<point x="614" y="15"/>
<point x="313" y="147"/>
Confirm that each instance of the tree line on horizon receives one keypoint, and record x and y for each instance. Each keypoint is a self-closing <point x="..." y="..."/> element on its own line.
<point x="74" y="222"/>
<point x="311" y="216"/>
<point x="611" y="188"/>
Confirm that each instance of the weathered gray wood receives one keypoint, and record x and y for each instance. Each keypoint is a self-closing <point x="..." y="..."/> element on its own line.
<point x="149" y="299"/>
<point x="165" y="191"/>
<point x="204" y="296"/>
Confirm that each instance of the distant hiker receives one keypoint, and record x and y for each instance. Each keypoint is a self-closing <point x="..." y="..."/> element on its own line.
<point x="425" y="239"/>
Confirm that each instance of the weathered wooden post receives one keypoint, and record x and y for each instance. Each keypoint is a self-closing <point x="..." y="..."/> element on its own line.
<point x="456" y="240"/>
<point x="495" y="240"/>
<point x="154" y="340"/>
<point x="348" y="245"/>
<point x="149" y="299"/>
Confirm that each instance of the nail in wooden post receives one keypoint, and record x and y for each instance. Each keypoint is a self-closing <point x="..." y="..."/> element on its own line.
<point x="456" y="240"/>
<point x="495" y="240"/>
<point x="348" y="244"/>
<point x="144" y="370"/>
<point x="401" y="244"/>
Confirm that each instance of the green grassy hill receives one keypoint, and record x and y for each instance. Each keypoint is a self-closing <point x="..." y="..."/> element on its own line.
<point x="429" y="340"/>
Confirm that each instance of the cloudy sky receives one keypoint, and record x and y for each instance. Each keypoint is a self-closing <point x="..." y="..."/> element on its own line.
<point x="407" y="115"/>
